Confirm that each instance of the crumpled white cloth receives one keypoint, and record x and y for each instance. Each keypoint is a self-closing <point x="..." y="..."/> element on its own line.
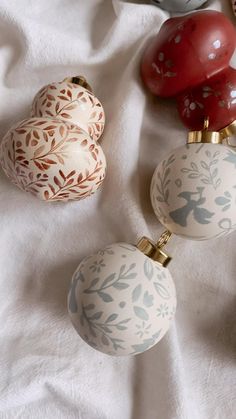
<point x="46" y="371"/>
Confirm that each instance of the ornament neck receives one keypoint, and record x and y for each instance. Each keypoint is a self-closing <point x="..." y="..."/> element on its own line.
<point x="205" y="135"/>
<point x="79" y="80"/>
<point x="155" y="251"/>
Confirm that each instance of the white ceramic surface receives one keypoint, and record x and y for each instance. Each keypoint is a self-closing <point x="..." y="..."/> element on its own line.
<point x="179" y="5"/>
<point x="120" y="301"/>
<point x="193" y="191"/>
<point x="52" y="159"/>
<point x="71" y="103"/>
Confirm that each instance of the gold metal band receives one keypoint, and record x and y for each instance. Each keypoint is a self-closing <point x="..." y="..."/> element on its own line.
<point x="80" y="80"/>
<point x="205" y="136"/>
<point x="155" y="251"/>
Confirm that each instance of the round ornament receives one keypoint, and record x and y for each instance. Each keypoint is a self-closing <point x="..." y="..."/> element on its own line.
<point x="72" y="102"/>
<point x="177" y="59"/>
<point x="52" y="159"/>
<point x="193" y="191"/>
<point x="179" y="5"/>
<point x="215" y="98"/>
<point x="121" y="302"/>
<point x="51" y="155"/>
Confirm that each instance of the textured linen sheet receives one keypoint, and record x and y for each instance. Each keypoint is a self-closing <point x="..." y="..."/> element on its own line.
<point x="47" y="371"/>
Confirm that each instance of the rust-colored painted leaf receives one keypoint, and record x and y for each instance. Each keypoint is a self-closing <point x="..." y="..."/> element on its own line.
<point x="45" y="137"/>
<point x="40" y="185"/>
<point x="69" y="93"/>
<point x="39" y="166"/>
<point x="57" y="106"/>
<point x="37" y="124"/>
<point x="83" y="99"/>
<point x="61" y="130"/>
<point x="57" y="181"/>
<point x="70" y="181"/>
<point x="84" y="143"/>
<point x="49" y="113"/>
<point x="62" y="174"/>
<point x="49" y="161"/>
<point x="52" y="188"/>
<point x="83" y="186"/>
<point x="50" y="97"/>
<point x="100" y="116"/>
<point x="38" y="151"/>
<point x="27" y="138"/>
<point x="40" y="113"/>
<point x="62" y="91"/>
<point x="44" y="101"/>
<point x="20" y="158"/>
<point x="65" y="115"/>
<point x="53" y="143"/>
<point x="20" y="151"/>
<point x="34" y="143"/>
<point x="70" y="108"/>
<point x="60" y="159"/>
<point x="46" y="195"/>
<point x="18" y="144"/>
<point x="50" y="127"/>
<point x="31" y="176"/>
<point x="45" y="166"/>
<point x="93" y="115"/>
<point x="20" y="131"/>
<point x="52" y="87"/>
<point x="36" y="134"/>
<point x="63" y="98"/>
<point x="49" y="104"/>
<point x="70" y="174"/>
<point x="72" y="140"/>
<point x="80" y="94"/>
<point x="80" y="178"/>
<point x="94" y="155"/>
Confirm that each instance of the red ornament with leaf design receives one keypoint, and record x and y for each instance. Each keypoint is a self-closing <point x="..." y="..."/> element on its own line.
<point x="187" y="51"/>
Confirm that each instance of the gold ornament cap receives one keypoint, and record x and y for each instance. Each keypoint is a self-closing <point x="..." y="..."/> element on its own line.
<point x="229" y="131"/>
<point x="155" y="251"/>
<point x="205" y="136"/>
<point x="80" y="80"/>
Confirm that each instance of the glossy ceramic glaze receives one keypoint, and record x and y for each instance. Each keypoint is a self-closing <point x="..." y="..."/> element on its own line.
<point x="72" y="103"/>
<point x="177" y="59"/>
<point x="120" y="301"/>
<point x="178" y="5"/>
<point x="193" y="191"/>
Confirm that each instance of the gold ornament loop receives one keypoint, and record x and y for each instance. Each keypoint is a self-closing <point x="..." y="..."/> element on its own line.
<point x="163" y="240"/>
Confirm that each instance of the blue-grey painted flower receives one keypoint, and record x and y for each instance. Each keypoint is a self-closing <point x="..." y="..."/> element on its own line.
<point x="97" y="266"/>
<point x="163" y="310"/>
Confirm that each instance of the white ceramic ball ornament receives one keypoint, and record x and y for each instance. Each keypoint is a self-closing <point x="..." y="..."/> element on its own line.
<point x="51" y="155"/>
<point x="121" y="302"/>
<point x="193" y="191"/>
<point x="179" y="5"/>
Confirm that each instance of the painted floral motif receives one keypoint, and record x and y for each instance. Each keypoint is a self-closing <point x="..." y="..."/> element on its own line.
<point x="163" y="181"/>
<point x="115" y="310"/>
<point x="207" y="189"/>
<point x="52" y="159"/>
<point x="72" y="103"/>
<point x="164" y="67"/>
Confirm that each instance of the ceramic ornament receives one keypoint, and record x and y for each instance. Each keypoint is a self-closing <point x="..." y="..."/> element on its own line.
<point x="215" y="98"/>
<point x="193" y="190"/>
<point x="178" y="60"/>
<point x="179" y="5"/>
<point x="54" y="154"/>
<point x="121" y="302"/>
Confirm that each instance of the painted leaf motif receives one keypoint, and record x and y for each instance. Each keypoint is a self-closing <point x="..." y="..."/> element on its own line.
<point x="161" y="290"/>
<point x="96" y="316"/>
<point x="141" y="313"/>
<point x="105" y="340"/>
<point x="148" y="269"/>
<point x="111" y="318"/>
<point x="105" y="297"/>
<point x="109" y="279"/>
<point x="136" y="293"/>
<point x="121" y="285"/>
<point x="148" y="299"/>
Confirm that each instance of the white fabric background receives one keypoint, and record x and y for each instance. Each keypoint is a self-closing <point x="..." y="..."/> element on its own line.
<point x="46" y="371"/>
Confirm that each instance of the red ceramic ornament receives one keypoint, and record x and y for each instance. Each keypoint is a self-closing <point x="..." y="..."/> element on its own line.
<point x="187" y="51"/>
<point x="215" y="98"/>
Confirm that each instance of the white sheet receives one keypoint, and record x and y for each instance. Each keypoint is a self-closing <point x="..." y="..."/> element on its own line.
<point x="46" y="370"/>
